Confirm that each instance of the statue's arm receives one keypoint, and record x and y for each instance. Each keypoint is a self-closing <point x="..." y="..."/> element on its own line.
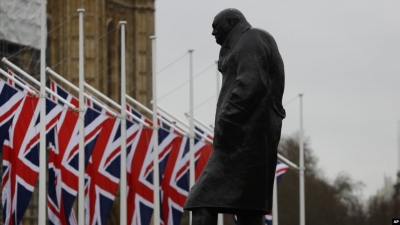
<point x="249" y="88"/>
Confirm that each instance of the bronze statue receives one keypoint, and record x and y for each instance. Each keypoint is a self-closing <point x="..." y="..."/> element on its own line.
<point x="239" y="176"/>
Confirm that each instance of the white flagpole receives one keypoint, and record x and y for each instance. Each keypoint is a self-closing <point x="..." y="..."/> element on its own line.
<point x="155" y="138"/>
<point x="191" y="125"/>
<point x="301" y="164"/>
<point x="42" y="145"/>
<point x="123" y="191"/>
<point x="398" y="144"/>
<point x="81" y="189"/>
<point x="220" y="215"/>
<point x="275" y="203"/>
<point x="191" y="121"/>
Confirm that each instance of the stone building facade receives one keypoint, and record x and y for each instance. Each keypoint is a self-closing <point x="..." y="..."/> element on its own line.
<point x="101" y="52"/>
<point x="102" y="44"/>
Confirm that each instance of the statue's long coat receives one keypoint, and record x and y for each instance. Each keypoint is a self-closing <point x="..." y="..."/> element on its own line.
<point x="240" y="172"/>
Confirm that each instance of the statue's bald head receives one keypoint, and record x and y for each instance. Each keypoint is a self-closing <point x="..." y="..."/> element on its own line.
<point x="224" y="22"/>
<point x="230" y="14"/>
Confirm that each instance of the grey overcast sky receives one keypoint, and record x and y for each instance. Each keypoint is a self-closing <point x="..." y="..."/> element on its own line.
<point x="344" y="55"/>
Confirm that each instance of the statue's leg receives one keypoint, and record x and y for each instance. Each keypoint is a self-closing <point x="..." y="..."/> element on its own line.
<point x="250" y="218"/>
<point x="204" y="216"/>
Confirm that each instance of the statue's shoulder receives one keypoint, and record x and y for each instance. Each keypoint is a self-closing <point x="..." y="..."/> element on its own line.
<point x="259" y="36"/>
<point x="256" y="37"/>
<point x="261" y="33"/>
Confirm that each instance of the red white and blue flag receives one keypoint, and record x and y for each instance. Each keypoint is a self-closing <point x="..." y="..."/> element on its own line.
<point x="17" y="86"/>
<point x="175" y="183"/>
<point x="140" y="168"/>
<point x="139" y="175"/>
<point x="21" y="155"/>
<point x="63" y="163"/>
<point x="103" y="170"/>
<point x="10" y="99"/>
<point x="281" y="168"/>
<point x="63" y="159"/>
<point x="11" y="96"/>
<point x="202" y="151"/>
<point x="103" y="173"/>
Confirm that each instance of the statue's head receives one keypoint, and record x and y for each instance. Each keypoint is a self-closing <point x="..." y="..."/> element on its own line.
<point x="224" y="22"/>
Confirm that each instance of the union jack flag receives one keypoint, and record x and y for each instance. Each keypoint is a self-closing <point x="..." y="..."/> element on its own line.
<point x="103" y="172"/>
<point x="202" y="151"/>
<point x="12" y="83"/>
<point x="139" y="177"/>
<point x="63" y="160"/>
<point x="93" y="105"/>
<point x="268" y="219"/>
<point x="281" y="169"/>
<point x="102" y="177"/>
<point x="175" y="183"/>
<point x="15" y="85"/>
<point x="10" y="99"/>
<point x="140" y="168"/>
<point x="99" y="106"/>
<point x="63" y="163"/>
<point x="21" y="155"/>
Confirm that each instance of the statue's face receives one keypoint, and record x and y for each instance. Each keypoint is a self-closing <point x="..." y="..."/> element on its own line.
<point x="221" y="28"/>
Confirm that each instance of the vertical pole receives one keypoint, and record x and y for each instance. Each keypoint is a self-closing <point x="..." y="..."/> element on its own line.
<point x="275" y="203"/>
<point x="156" y="176"/>
<point x="301" y="143"/>
<point x="397" y="184"/>
<point x="220" y="215"/>
<point x="191" y="125"/>
<point x="398" y="144"/>
<point x="123" y="191"/>
<point x="81" y="187"/>
<point x="42" y="145"/>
